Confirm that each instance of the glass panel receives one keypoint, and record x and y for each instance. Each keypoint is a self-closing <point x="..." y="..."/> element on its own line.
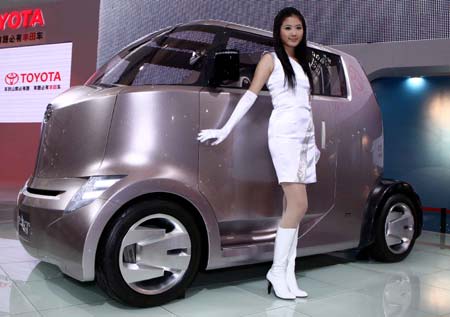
<point x="173" y="58"/>
<point x="328" y="74"/>
<point x="250" y="50"/>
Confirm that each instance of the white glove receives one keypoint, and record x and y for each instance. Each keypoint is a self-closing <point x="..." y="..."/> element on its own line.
<point x="244" y="104"/>
<point x="218" y="134"/>
<point x="317" y="155"/>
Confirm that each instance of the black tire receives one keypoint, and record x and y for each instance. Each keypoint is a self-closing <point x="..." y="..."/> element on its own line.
<point x="108" y="274"/>
<point x="380" y="250"/>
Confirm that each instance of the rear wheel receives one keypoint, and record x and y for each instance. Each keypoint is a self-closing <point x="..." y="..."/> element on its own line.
<point x="150" y="254"/>
<point x="395" y="230"/>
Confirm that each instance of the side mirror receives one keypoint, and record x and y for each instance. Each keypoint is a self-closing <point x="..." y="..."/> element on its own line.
<point x="226" y="66"/>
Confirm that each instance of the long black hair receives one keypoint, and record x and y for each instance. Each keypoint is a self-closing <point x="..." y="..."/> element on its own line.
<point x="301" y="51"/>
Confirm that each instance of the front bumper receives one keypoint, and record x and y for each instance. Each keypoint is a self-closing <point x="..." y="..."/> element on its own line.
<point x="49" y="234"/>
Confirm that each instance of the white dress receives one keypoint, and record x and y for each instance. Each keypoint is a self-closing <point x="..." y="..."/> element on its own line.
<point x="291" y="137"/>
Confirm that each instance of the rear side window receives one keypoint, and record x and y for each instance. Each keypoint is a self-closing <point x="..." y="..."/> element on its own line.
<point x="250" y="47"/>
<point x="328" y="74"/>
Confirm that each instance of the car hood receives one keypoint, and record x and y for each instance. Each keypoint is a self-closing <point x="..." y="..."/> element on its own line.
<point x="74" y="132"/>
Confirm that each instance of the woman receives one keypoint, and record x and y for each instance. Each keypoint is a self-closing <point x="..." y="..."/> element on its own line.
<point x="291" y="137"/>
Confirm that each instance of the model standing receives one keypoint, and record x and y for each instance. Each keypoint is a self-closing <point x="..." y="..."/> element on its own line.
<point x="291" y="137"/>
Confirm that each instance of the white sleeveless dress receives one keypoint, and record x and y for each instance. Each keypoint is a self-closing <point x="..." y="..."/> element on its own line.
<point x="291" y="136"/>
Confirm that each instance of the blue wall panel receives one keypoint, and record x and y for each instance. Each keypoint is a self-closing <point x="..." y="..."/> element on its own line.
<point x="416" y="122"/>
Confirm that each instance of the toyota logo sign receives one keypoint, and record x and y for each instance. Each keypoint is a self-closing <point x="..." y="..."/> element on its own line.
<point x="11" y="78"/>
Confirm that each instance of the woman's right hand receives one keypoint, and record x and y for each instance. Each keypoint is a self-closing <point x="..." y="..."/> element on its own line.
<point x="219" y="134"/>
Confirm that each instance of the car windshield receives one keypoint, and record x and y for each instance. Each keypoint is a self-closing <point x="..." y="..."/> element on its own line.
<point x="174" y="58"/>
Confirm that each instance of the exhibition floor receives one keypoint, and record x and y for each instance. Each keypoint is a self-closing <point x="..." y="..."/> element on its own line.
<point x="338" y="284"/>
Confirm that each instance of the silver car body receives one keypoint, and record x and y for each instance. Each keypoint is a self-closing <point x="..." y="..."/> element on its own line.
<point x="148" y="134"/>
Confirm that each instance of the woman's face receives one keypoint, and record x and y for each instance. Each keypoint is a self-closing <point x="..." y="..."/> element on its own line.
<point x="291" y="32"/>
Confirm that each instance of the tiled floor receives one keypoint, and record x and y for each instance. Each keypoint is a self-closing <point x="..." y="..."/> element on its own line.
<point x="338" y="284"/>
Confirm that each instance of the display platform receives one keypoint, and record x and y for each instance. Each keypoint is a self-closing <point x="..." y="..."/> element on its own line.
<point x="338" y="284"/>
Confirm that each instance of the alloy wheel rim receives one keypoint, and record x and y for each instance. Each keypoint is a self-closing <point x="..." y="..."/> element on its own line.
<point x="155" y="254"/>
<point x="399" y="228"/>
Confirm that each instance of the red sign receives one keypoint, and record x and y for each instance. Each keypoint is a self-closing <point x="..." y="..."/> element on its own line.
<point x="21" y="19"/>
<point x="13" y="78"/>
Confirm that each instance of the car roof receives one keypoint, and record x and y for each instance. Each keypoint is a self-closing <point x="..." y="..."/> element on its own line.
<point x="254" y="30"/>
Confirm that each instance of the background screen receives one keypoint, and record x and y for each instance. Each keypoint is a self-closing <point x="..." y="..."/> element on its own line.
<point x="30" y="77"/>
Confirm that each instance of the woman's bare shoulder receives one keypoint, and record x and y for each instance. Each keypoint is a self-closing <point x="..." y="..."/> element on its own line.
<point x="266" y="61"/>
<point x="262" y="73"/>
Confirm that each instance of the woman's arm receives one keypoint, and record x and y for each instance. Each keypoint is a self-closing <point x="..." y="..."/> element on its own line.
<point x="262" y="73"/>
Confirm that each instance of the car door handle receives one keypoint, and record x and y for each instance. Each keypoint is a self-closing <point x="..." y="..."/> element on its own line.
<point x="323" y="143"/>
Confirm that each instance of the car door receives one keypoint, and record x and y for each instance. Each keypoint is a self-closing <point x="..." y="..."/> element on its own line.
<point x="322" y="221"/>
<point x="237" y="176"/>
<point x="322" y="194"/>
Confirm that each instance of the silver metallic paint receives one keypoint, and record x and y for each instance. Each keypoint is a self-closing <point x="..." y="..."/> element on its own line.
<point x="150" y="257"/>
<point x="149" y="134"/>
<point x="63" y="149"/>
<point x="399" y="228"/>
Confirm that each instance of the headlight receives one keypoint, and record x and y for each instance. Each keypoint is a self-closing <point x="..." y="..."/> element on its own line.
<point x="94" y="188"/>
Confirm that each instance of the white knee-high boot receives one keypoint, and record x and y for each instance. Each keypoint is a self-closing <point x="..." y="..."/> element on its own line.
<point x="291" y="279"/>
<point x="277" y="273"/>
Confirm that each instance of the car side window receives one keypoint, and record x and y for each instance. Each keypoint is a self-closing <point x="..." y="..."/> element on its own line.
<point x="328" y="74"/>
<point x="250" y="47"/>
<point x="175" y="59"/>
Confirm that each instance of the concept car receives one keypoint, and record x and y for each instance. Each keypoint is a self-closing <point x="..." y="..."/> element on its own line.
<point x="124" y="194"/>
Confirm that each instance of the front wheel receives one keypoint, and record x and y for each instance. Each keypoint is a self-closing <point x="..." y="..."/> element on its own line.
<point x="395" y="230"/>
<point x="150" y="254"/>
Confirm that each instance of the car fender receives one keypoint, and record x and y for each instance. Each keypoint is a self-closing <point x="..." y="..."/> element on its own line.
<point x="131" y="190"/>
<point x="384" y="189"/>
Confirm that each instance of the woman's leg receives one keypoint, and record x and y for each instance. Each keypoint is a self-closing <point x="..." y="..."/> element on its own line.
<point x="278" y="275"/>
<point x="296" y="204"/>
